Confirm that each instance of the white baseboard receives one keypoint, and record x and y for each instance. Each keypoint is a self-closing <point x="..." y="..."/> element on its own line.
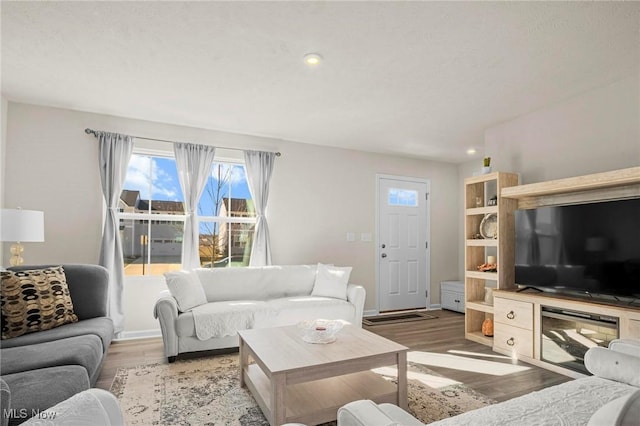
<point x="435" y="307"/>
<point x="138" y="334"/>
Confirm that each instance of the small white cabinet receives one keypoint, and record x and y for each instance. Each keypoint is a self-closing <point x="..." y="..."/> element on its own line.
<point x="452" y="295"/>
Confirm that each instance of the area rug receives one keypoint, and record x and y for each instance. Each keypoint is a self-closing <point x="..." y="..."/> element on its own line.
<point x="395" y="318"/>
<point x="206" y="391"/>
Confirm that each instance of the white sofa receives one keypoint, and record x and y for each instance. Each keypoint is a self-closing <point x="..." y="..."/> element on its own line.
<point x="610" y="397"/>
<point x="234" y="299"/>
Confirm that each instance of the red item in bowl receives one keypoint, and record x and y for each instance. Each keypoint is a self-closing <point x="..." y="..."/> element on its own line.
<point x="320" y="328"/>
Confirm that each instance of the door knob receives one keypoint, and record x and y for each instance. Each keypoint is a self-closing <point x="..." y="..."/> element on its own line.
<point x="383" y="246"/>
<point x="384" y="255"/>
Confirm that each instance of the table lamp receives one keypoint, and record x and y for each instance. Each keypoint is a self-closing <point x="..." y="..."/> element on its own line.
<point x="21" y="226"/>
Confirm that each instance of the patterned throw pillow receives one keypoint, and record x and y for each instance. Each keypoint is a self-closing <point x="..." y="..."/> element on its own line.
<point x="34" y="300"/>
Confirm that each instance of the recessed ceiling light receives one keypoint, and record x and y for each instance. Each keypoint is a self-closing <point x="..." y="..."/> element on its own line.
<point x="471" y="151"/>
<point x="312" y="59"/>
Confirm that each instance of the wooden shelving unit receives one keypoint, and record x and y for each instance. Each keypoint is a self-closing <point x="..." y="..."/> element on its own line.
<point x="482" y="188"/>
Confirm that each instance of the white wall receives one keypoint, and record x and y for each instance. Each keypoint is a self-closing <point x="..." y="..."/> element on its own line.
<point x="3" y="143"/>
<point x="51" y="166"/>
<point x="311" y="215"/>
<point x="595" y="132"/>
<point x="317" y="195"/>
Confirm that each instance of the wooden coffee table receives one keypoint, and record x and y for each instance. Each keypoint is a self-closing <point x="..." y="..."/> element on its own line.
<point x="298" y="382"/>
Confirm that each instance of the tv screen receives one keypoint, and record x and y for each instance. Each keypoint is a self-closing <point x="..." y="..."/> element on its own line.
<point x="590" y="249"/>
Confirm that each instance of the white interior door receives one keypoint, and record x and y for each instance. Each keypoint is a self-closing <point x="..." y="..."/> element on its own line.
<point x="402" y="241"/>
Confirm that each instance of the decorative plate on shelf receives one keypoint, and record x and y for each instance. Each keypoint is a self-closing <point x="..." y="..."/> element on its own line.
<point x="489" y="226"/>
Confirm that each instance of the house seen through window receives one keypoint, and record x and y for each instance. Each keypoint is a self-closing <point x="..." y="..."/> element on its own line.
<point x="152" y="215"/>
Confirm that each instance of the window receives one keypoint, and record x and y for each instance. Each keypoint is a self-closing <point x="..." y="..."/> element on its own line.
<point x="227" y="217"/>
<point x="402" y="197"/>
<point x="152" y="216"/>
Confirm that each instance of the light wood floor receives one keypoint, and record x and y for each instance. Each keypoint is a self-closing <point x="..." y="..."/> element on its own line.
<point x="442" y="335"/>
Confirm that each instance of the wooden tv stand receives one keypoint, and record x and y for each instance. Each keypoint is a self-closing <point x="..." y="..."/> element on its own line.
<point x="517" y="316"/>
<point x="517" y="322"/>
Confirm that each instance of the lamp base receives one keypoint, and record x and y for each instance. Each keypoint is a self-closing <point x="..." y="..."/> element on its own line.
<point x="16" y="254"/>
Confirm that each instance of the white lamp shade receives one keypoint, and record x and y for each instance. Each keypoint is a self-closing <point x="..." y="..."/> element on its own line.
<point x="21" y="225"/>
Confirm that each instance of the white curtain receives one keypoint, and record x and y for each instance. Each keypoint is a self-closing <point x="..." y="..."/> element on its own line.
<point x="259" y="167"/>
<point x="194" y="167"/>
<point x="115" y="152"/>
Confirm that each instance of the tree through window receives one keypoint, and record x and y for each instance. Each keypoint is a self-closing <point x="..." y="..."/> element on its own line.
<point x="227" y="217"/>
<point x="152" y="216"/>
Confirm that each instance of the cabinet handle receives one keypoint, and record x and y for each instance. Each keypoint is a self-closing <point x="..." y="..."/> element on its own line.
<point x="511" y="315"/>
<point x="511" y="342"/>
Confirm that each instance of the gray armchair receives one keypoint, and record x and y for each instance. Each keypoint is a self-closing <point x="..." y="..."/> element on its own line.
<point x="44" y="368"/>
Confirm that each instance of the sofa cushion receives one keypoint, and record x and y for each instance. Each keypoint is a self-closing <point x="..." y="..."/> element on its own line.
<point x="36" y="390"/>
<point x="624" y="411"/>
<point x="273" y="313"/>
<point x="365" y="412"/>
<point x="84" y="351"/>
<point x="185" y="287"/>
<point x="34" y="300"/>
<point x="101" y="327"/>
<point x="331" y="281"/>
<point x="256" y="282"/>
<point x="613" y="365"/>
<point x="570" y="403"/>
<point x="95" y="407"/>
<point x="292" y="310"/>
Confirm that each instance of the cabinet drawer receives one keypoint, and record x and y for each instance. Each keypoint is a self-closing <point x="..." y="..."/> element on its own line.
<point x="509" y="338"/>
<point x="513" y="312"/>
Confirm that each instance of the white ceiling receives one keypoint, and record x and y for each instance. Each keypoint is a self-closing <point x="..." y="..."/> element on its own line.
<point x="421" y="79"/>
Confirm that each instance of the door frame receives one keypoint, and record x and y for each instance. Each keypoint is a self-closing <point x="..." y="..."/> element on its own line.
<point x="380" y="176"/>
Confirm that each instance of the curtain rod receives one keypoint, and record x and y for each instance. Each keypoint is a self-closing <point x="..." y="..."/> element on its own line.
<point x="94" y="133"/>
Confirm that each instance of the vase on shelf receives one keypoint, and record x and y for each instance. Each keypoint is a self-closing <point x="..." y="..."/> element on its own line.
<point x="486" y="162"/>
<point x="487" y="327"/>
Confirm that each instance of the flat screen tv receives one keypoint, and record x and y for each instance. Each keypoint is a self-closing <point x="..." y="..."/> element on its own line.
<point x="590" y="250"/>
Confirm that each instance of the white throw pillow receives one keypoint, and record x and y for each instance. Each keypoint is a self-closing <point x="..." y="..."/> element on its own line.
<point x="613" y="365"/>
<point x="623" y="411"/>
<point x="186" y="288"/>
<point x="331" y="281"/>
<point x="626" y="346"/>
